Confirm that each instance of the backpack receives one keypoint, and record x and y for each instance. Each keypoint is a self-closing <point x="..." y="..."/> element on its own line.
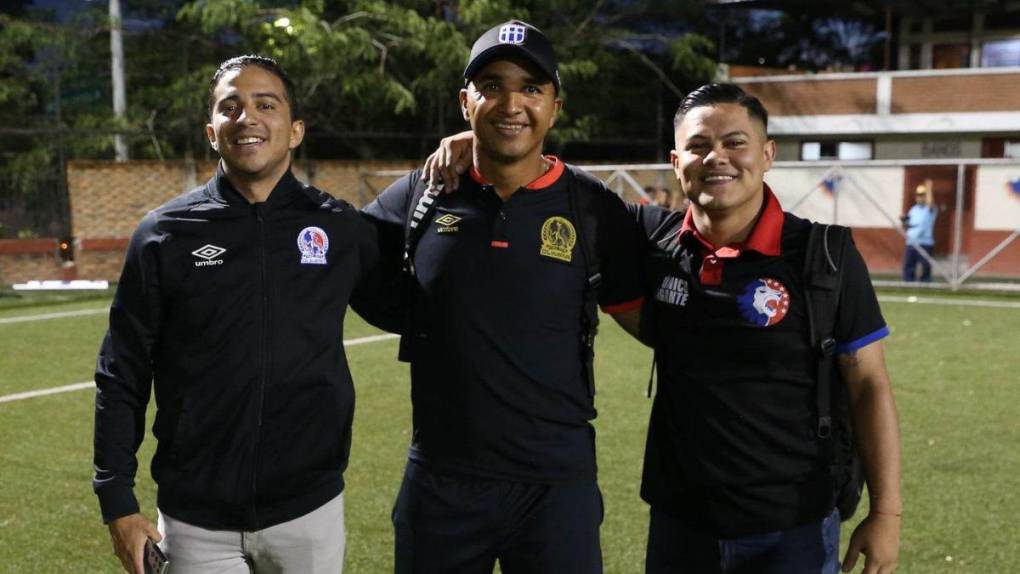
<point x="823" y="276"/>
<point x="586" y="209"/>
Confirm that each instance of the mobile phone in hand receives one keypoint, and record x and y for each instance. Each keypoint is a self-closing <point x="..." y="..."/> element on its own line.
<point x="155" y="561"/>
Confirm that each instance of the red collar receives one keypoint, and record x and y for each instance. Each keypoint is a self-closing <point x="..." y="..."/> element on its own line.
<point x="765" y="238"/>
<point x="545" y="180"/>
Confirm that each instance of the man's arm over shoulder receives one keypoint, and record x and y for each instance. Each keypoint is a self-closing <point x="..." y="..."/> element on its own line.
<point x="652" y="220"/>
<point x="391" y="206"/>
<point x="380" y="296"/>
<point x="861" y="360"/>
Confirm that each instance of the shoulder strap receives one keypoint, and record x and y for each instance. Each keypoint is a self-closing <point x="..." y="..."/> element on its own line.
<point x="823" y="275"/>
<point x="419" y="209"/>
<point x="420" y="206"/>
<point x="586" y="209"/>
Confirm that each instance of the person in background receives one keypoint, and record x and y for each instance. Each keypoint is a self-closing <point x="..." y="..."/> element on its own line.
<point x="919" y="225"/>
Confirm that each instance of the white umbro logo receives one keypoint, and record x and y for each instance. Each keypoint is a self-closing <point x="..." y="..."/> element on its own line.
<point x="208" y="254"/>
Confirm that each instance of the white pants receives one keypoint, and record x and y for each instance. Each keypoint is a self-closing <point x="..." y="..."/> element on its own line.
<point x="309" y="544"/>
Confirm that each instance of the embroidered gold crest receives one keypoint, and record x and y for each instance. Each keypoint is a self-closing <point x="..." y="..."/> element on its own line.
<point x="447" y="223"/>
<point x="558" y="239"/>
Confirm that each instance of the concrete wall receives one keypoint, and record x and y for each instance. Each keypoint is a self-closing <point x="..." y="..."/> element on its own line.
<point x="894" y="147"/>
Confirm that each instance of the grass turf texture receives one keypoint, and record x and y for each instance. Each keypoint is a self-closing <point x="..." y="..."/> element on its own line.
<point x="953" y="369"/>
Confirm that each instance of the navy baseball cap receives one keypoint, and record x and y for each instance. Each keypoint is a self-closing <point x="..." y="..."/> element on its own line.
<point x="514" y="38"/>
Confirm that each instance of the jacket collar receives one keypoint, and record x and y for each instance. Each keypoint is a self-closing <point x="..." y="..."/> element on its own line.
<point x="287" y="190"/>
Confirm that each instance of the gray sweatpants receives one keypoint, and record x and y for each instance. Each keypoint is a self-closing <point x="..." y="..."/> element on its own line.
<point x="309" y="544"/>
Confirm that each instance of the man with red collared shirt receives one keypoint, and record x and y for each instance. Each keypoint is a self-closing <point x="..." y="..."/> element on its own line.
<point x="732" y="464"/>
<point x="502" y="461"/>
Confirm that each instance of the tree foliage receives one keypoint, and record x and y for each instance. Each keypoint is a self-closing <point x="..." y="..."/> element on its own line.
<point x="376" y="78"/>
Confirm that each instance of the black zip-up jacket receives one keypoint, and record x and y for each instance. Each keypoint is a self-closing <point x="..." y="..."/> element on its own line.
<point x="234" y="312"/>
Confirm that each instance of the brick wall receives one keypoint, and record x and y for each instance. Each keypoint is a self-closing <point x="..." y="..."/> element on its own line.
<point x="343" y="180"/>
<point x="910" y="94"/>
<point x="108" y="199"/>
<point x="816" y="97"/>
<point x="30" y="259"/>
<point x="1005" y="264"/>
<point x="968" y="93"/>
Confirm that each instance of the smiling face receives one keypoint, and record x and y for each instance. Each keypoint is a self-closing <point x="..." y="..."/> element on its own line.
<point x="721" y="157"/>
<point x="251" y="125"/>
<point x="511" y="107"/>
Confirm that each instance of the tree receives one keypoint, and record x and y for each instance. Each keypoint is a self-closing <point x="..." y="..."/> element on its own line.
<point x="376" y="78"/>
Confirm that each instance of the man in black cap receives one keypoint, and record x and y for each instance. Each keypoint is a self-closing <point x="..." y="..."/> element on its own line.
<point x="505" y="274"/>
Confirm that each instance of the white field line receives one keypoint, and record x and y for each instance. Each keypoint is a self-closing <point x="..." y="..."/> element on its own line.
<point x="92" y="385"/>
<point x="61" y="315"/>
<point x="949" y="301"/>
<point x="44" y="392"/>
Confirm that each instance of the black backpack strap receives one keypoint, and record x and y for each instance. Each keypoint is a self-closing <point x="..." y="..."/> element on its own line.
<point x="419" y="209"/>
<point x="823" y="274"/>
<point x="586" y="210"/>
<point x="837" y="453"/>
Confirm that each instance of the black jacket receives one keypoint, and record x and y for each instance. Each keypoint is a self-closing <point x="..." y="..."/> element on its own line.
<point x="235" y="312"/>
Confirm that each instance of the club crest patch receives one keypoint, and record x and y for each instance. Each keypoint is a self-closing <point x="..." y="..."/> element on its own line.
<point x="512" y="34"/>
<point x="558" y="239"/>
<point x="313" y="244"/>
<point x="764" y="302"/>
<point x="447" y="223"/>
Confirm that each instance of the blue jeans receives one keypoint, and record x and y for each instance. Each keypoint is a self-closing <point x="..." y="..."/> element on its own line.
<point x="912" y="258"/>
<point x="676" y="548"/>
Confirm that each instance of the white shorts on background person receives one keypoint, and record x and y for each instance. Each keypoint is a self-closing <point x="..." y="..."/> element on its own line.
<point x="309" y="544"/>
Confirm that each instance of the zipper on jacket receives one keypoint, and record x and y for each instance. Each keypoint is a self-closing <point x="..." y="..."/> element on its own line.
<point x="262" y="361"/>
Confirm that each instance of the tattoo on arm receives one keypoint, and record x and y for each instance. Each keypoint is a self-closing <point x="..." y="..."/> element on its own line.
<point x="850" y="360"/>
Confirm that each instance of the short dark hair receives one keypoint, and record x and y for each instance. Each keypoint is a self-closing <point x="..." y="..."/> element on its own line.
<point x="712" y="94"/>
<point x="268" y="64"/>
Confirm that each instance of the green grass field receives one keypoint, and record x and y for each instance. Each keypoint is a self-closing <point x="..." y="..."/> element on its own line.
<point x="954" y="367"/>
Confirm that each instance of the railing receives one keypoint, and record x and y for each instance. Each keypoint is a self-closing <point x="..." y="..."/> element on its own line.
<point x="869" y="196"/>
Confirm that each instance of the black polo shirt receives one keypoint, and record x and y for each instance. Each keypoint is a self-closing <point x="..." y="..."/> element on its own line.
<point x="496" y="370"/>
<point x="731" y="445"/>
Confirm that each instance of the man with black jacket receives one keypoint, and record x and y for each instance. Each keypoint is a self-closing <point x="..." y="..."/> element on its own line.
<point x="231" y="306"/>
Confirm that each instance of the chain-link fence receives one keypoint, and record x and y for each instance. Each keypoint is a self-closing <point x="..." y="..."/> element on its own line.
<point x="38" y="209"/>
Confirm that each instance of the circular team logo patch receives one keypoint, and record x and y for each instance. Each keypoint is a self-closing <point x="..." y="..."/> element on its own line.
<point x="764" y="302"/>
<point x="313" y="244"/>
<point x="558" y="238"/>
